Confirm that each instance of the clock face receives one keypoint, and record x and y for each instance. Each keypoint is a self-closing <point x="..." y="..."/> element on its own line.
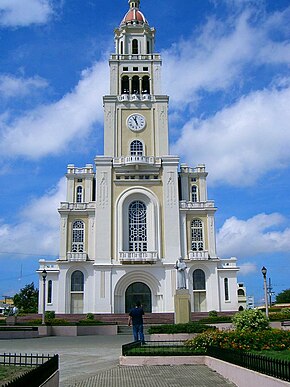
<point x="136" y="122"/>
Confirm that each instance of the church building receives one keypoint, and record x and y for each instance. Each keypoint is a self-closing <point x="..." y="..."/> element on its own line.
<point x="135" y="211"/>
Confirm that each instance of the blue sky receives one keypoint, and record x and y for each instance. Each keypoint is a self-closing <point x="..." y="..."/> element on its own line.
<point x="226" y="70"/>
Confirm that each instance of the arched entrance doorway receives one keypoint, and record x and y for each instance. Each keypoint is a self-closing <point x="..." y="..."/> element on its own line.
<point x="138" y="291"/>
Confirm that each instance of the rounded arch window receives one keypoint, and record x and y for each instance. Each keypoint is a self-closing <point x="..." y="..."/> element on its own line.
<point x="134" y="46"/>
<point x="79" y="194"/>
<point x="145" y="85"/>
<point x="241" y="292"/>
<point x="77" y="281"/>
<point x="194" y="197"/>
<point x="197" y="235"/>
<point x="136" y="148"/>
<point x="78" y="231"/>
<point x="198" y="280"/>
<point x="137" y="226"/>
<point x="125" y="85"/>
<point x="135" y="85"/>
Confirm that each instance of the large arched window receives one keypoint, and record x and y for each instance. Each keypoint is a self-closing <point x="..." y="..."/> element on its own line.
<point x="125" y="85"/>
<point x="77" y="281"/>
<point x="136" y="148"/>
<point x="135" y="85"/>
<point x="145" y="85"/>
<point x="194" y="194"/>
<point x="78" y="232"/>
<point x="198" y="280"/>
<point x="137" y="226"/>
<point x="77" y="292"/>
<point x="134" y="46"/>
<point x="196" y="235"/>
<point x="79" y="194"/>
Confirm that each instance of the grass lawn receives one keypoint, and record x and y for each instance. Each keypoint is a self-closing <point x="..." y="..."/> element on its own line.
<point x="7" y="373"/>
<point x="280" y="355"/>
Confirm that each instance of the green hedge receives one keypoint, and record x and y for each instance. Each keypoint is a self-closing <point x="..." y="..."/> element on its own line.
<point x="192" y="327"/>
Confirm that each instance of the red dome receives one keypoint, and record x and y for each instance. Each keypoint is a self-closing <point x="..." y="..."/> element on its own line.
<point x="134" y="15"/>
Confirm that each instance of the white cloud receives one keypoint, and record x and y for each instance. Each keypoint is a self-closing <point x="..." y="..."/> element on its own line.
<point x="21" y="13"/>
<point x="11" y="86"/>
<point x="248" y="268"/>
<point x="257" y="235"/>
<point x="50" y="129"/>
<point x="241" y="142"/>
<point x="215" y="59"/>
<point x="38" y="229"/>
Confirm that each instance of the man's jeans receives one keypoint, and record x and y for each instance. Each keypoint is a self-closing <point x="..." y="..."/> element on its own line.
<point x="138" y="333"/>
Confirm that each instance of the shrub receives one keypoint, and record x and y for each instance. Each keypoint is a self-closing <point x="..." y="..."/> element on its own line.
<point x="270" y="339"/>
<point x="192" y="327"/>
<point x="49" y="315"/>
<point x="90" y="316"/>
<point x="58" y="321"/>
<point x="212" y="313"/>
<point x="250" y="320"/>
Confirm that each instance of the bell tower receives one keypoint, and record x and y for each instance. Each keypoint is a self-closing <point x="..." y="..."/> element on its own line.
<point x="135" y="110"/>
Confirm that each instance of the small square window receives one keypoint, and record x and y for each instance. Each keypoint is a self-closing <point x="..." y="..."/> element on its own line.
<point x="193" y="179"/>
<point x="145" y="68"/>
<point x="80" y="180"/>
<point x="125" y="69"/>
<point x="135" y="68"/>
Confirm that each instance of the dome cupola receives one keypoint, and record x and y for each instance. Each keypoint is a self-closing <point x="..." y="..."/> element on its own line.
<point x="134" y="15"/>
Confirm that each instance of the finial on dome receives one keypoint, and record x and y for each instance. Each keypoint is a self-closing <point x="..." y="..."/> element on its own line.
<point x="134" y="3"/>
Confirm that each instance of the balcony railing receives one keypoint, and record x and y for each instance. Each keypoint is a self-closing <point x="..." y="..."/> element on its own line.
<point x="135" y="57"/>
<point x="77" y="206"/>
<point x="198" y="255"/>
<point x="138" y="256"/>
<point x="150" y="160"/>
<point x="134" y="97"/>
<point x="76" y="257"/>
<point x="186" y="205"/>
<point x="88" y="169"/>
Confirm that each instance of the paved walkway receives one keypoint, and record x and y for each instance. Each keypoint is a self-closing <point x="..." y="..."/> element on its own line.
<point x="87" y="361"/>
<point x="156" y="376"/>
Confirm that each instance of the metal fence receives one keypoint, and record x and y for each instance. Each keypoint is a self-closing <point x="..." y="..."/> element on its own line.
<point x="43" y="367"/>
<point x="279" y="369"/>
<point x="269" y="366"/>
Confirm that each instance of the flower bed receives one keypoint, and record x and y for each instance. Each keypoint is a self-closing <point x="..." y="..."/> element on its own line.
<point x="269" y="339"/>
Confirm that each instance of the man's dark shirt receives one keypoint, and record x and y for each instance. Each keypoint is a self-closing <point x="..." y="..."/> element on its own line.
<point x="137" y="316"/>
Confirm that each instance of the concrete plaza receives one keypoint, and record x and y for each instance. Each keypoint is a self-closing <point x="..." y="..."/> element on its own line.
<point x="88" y="361"/>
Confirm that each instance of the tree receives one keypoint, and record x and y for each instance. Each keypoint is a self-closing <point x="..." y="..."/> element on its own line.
<point x="283" y="297"/>
<point x="27" y="299"/>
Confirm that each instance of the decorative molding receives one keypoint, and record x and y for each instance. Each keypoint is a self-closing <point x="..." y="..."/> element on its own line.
<point x="103" y="190"/>
<point x="170" y="190"/>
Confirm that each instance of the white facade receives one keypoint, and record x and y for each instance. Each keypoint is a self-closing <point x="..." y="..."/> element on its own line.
<point x="128" y="218"/>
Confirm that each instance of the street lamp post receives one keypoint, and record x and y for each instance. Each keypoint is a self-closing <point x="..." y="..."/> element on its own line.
<point x="44" y="275"/>
<point x="264" y="272"/>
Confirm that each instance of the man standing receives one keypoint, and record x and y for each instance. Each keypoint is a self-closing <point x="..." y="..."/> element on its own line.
<point x="136" y="319"/>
